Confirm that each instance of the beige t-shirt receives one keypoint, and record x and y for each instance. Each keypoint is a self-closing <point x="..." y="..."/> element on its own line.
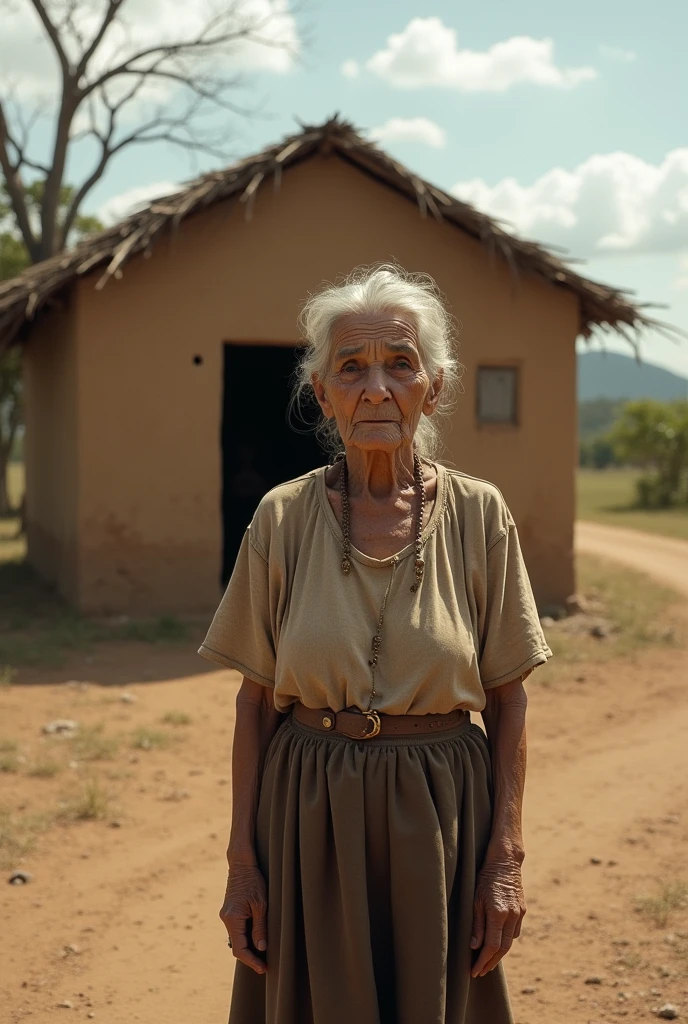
<point x="290" y="619"/>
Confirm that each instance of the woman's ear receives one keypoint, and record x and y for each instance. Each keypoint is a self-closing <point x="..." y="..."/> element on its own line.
<point x="433" y="394"/>
<point x="321" y="396"/>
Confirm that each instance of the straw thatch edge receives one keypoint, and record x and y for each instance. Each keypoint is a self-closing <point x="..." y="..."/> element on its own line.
<point x="22" y="297"/>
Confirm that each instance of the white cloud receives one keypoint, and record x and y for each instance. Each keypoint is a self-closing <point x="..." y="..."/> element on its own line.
<point x="410" y="129"/>
<point x="612" y="202"/>
<point x="617" y="53"/>
<point x="681" y="282"/>
<point x="120" y="206"/>
<point x="350" y="69"/>
<point x="426" y="53"/>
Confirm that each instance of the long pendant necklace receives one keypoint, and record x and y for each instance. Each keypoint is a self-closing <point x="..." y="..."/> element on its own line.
<point x="419" y="564"/>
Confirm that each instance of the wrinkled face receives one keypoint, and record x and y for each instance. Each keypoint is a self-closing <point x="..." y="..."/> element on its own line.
<point x="376" y="387"/>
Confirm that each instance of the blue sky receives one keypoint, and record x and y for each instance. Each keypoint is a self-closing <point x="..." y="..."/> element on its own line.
<point x="569" y="121"/>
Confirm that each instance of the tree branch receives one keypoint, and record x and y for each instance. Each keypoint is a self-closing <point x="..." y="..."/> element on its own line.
<point x="186" y="48"/>
<point x="191" y="65"/>
<point x="108" y="18"/>
<point x="53" y="35"/>
<point x="20" y="144"/>
<point x="15" y="187"/>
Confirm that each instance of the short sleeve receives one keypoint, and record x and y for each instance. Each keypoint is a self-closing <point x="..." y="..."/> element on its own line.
<point x="241" y="635"/>
<point x="511" y="638"/>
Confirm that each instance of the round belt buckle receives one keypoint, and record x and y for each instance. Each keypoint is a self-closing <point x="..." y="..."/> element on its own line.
<point x="373" y="717"/>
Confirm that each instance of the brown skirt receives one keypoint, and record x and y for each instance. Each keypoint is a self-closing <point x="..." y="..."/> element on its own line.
<point x="370" y="850"/>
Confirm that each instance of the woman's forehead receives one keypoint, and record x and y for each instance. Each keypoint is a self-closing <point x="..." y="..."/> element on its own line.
<point x="361" y="327"/>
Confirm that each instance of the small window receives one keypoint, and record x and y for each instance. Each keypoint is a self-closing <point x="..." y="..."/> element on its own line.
<point x="497" y="394"/>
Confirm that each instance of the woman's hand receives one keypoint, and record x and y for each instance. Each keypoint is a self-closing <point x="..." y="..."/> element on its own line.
<point x="498" y="909"/>
<point x="246" y="900"/>
<point x="499" y="904"/>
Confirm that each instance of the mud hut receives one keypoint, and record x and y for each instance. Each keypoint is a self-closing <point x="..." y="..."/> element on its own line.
<point x="158" y="355"/>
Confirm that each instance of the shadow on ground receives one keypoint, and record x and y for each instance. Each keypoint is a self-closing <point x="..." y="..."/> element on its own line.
<point x="44" y="640"/>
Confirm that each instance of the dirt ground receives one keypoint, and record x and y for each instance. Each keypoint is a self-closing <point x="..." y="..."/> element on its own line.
<point x="120" y="917"/>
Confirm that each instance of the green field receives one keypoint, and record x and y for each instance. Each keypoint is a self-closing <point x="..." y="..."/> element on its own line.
<point x="13" y="548"/>
<point x="606" y="496"/>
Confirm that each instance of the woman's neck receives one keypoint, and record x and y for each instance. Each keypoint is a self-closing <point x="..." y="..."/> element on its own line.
<point x="377" y="474"/>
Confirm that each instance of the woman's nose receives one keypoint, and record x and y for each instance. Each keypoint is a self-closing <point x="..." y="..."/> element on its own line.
<point x="376" y="389"/>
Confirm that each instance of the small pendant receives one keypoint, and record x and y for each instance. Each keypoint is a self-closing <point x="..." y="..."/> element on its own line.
<point x="346" y="566"/>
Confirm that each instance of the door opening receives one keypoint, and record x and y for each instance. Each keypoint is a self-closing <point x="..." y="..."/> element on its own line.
<point x="260" y="448"/>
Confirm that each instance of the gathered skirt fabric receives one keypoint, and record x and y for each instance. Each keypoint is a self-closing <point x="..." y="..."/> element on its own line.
<point x="371" y="849"/>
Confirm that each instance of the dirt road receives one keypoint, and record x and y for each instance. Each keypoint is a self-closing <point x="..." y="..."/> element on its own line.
<point x="665" y="558"/>
<point x="120" y="918"/>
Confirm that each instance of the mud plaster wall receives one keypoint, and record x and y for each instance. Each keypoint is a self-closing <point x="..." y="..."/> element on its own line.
<point x="149" y="460"/>
<point x="51" y="448"/>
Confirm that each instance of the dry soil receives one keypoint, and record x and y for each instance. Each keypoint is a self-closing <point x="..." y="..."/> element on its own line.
<point x="120" y="917"/>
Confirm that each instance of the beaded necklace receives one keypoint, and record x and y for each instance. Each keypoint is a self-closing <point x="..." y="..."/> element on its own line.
<point x="419" y="563"/>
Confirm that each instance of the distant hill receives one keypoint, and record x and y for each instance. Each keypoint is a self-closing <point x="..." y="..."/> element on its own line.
<point x="610" y="375"/>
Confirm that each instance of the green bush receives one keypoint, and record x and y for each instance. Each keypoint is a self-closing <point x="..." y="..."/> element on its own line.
<point x="654" y="436"/>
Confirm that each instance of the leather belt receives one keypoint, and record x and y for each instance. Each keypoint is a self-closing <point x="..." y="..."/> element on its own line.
<point x="363" y="725"/>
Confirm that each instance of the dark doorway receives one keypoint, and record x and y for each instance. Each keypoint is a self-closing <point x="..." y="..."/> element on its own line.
<point x="259" y="446"/>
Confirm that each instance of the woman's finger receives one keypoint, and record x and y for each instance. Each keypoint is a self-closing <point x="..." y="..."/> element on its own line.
<point x="259" y="925"/>
<point x="504" y="947"/>
<point x="240" y="947"/>
<point x="492" y="943"/>
<point x="478" y="930"/>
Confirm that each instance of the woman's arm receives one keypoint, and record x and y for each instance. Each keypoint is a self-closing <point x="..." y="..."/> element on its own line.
<point x="245" y="899"/>
<point x="499" y="904"/>
<point x="256" y="724"/>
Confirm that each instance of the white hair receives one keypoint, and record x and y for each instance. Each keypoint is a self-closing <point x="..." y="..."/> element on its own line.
<point x="383" y="288"/>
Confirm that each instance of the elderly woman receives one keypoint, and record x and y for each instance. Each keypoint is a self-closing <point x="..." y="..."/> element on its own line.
<point x="375" y="851"/>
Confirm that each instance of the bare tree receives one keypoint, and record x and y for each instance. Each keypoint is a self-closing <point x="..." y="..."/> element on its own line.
<point x="121" y="84"/>
<point x="107" y="95"/>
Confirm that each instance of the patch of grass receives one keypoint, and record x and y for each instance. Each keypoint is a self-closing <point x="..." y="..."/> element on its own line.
<point x="44" y="640"/>
<point x="608" y="496"/>
<point x="176" y="718"/>
<point x="636" y="604"/>
<point x="7" y="674"/>
<point x="91" y="744"/>
<point x="150" y="739"/>
<point x="37" y="628"/>
<point x="18" y="835"/>
<point x="44" y="768"/>
<point x="671" y="896"/>
<point x="165" y="629"/>
<point x="636" y="608"/>
<point x="9" y="762"/>
<point x="631" y="960"/>
<point x="91" y="803"/>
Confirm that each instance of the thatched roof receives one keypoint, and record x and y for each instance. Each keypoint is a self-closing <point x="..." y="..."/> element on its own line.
<point x="105" y="254"/>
